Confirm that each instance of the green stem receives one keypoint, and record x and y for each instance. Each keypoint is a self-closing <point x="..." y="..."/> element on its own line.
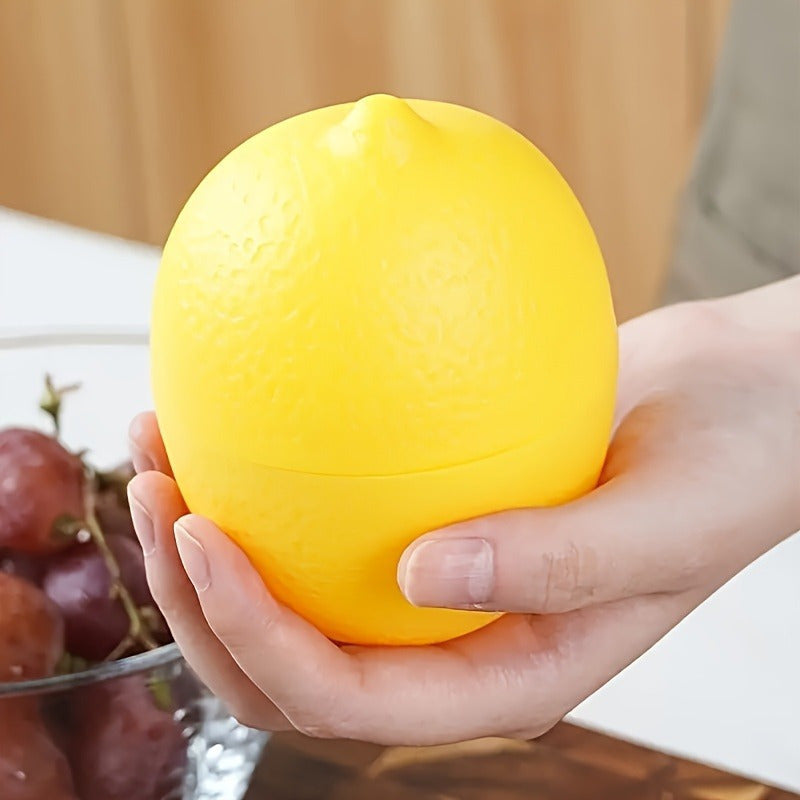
<point x="51" y="401"/>
<point x="138" y="629"/>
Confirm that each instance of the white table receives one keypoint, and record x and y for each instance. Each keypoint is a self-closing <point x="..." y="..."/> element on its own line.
<point x="722" y="688"/>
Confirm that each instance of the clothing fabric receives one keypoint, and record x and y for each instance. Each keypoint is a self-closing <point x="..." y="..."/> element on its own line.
<point x="739" y="225"/>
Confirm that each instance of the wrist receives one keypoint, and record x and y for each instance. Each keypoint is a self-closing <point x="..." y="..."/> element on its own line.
<point x="771" y="314"/>
<point x="769" y="320"/>
<point x="774" y="308"/>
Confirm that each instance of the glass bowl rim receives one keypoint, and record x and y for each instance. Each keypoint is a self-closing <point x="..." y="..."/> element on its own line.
<point x="141" y="662"/>
<point x="81" y="336"/>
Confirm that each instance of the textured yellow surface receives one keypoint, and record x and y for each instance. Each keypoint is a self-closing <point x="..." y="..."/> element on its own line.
<point x="372" y="320"/>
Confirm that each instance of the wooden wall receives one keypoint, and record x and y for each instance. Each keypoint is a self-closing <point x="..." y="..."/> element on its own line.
<point x="111" y="112"/>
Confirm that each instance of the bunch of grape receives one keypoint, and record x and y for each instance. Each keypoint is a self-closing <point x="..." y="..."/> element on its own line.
<point x="73" y="593"/>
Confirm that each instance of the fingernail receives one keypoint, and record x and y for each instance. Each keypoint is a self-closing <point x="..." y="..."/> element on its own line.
<point x="193" y="558"/>
<point x="142" y="524"/>
<point x="448" y="573"/>
<point x="140" y="460"/>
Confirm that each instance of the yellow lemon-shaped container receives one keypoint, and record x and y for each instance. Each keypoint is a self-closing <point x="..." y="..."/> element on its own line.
<point x="370" y="321"/>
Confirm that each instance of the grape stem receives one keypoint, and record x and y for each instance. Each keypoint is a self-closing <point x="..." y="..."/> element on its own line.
<point x="138" y="627"/>
<point x="115" y="480"/>
<point x="51" y="401"/>
<point x="140" y="621"/>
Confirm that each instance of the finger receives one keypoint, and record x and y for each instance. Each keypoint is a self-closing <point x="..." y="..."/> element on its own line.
<point x="155" y="505"/>
<point x="627" y="537"/>
<point x="146" y="446"/>
<point x="516" y="677"/>
<point x="396" y="695"/>
<point x="308" y="677"/>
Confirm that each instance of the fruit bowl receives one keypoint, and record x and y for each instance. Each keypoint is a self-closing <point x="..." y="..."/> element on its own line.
<point x="141" y="728"/>
<point x="138" y="727"/>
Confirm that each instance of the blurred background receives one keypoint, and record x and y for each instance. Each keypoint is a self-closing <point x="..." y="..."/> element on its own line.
<point x="111" y="113"/>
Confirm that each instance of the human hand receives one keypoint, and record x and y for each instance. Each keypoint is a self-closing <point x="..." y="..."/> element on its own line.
<point x="705" y="405"/>
<point x="702" y="475"/>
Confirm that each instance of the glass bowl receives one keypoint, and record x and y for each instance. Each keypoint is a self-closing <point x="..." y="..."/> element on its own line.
<point x="143" y="727"/>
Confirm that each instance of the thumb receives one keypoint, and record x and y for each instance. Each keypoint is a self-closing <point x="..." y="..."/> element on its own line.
<point x="621" y="540"/>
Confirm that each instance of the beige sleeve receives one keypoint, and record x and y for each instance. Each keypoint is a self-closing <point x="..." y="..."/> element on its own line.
<point x="739" y="225"/>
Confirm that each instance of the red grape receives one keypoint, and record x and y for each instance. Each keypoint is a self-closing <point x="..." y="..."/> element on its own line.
<point x="22" y="565"/>
<point x="40" y="481"/>
<point x="31" y="631"/>
<point x="111" y="501"/>
<point x="79" y="583"/>
<point x="123" y="746"/>
<point x="31" y="766"/>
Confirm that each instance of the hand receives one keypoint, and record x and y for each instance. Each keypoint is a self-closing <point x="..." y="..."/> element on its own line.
<point x="702" y="476"/>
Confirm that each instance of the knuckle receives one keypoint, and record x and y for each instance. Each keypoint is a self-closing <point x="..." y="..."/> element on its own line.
<point x="563" y="583"/>
<point x="240" y="633"/>
<point x="245" y="716"/>
<point x="164" y="598"/>
<point x="232" y="632"/>
<point x="233" y="637"/>
<point x="693" y="568"/>
<point x="316" y="728"/>
<point x="532" y="730"/>
<point x="540" y="730"/>
<point x="256" y="716"/>
<point x="325" y="721"/>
